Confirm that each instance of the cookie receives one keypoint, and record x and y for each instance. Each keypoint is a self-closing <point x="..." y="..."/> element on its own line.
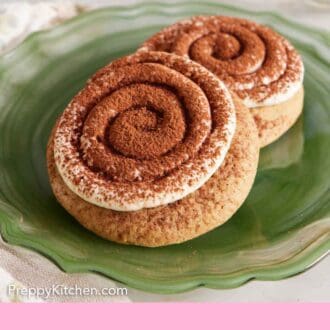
<point x="256" y="63"/>
<point x="153" y="151"/>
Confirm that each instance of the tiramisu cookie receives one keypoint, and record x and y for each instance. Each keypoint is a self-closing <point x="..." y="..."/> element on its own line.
<point x="141" y="155"/>
<point x="258" y="64"/>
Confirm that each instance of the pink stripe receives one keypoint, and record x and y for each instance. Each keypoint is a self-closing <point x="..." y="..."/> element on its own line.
<point x="165" y="316"/>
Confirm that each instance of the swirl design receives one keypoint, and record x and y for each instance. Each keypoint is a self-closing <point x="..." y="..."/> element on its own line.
<point x="146" y="130"/>
<point x="254" y="61"/>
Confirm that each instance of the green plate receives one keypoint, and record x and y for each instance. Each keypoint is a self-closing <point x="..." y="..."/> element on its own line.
<point x="282" y="228"/>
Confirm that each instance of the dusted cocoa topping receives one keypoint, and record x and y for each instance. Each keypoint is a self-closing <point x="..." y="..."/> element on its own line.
<point x="254" y="61"/>
<point x="199" y="212"/>
<point x="146" y="130"/>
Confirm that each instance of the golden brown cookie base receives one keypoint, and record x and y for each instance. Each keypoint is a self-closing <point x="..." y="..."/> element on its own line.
<point x="274" y="121"/>
<point x="194" y="215"/>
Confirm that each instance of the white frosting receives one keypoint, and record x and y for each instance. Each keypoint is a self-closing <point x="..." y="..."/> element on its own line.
<point x="276" y="98"/>
<point x="162" y="198"/>
<point x="128" y="196"/>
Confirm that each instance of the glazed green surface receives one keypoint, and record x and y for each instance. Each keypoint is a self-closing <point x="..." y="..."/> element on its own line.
<point x="282" y="228"/>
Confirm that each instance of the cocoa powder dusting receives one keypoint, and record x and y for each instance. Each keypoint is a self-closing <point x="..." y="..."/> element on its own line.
<point x="253" y="60"/>
<point x="146" y="126"/>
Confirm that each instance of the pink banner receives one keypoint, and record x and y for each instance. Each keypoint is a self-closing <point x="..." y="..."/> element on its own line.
<point x="165" y="316"/>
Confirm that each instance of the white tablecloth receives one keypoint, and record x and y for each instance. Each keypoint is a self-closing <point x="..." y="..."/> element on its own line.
<point x="22" y="268"/>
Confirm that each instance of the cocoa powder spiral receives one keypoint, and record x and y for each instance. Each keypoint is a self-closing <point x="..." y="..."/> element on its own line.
<point x="258" y="64"/>
<point x="146" y="130"/>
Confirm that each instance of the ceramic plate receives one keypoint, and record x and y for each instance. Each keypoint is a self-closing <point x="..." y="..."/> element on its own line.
<point x="282" y="228"/>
